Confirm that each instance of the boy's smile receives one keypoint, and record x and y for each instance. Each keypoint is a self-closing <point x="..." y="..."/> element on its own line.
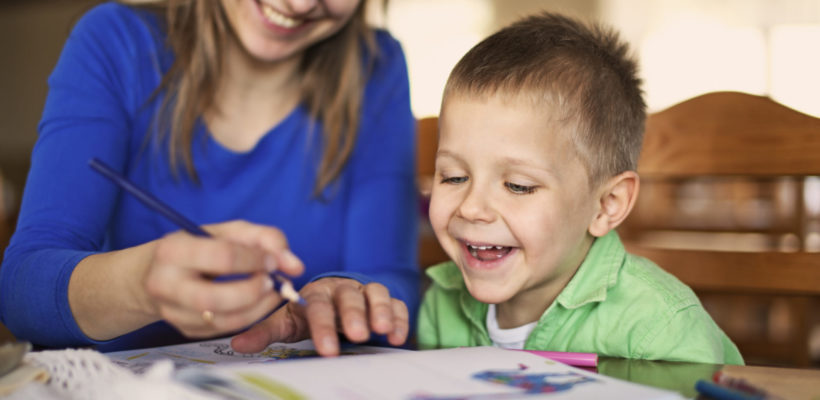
<point x="487" y="252"/>
<point x="511" y="202"/>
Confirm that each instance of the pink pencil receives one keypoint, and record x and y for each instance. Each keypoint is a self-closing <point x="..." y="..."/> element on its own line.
<point x="569" y="358"/>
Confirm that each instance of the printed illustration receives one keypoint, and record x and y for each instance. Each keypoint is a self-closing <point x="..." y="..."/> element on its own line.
<point x="538" y="383"/>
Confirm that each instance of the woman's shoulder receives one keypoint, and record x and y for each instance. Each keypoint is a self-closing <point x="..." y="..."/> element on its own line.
<point x="113" y="21"/>
<point x="388" y="54"/>
<point x="115" y="12"/>
<point x="386" y="42"/>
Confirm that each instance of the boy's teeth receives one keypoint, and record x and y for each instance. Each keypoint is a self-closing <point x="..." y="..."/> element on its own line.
<point x="485" y="247"/>
<point x="275" y="17"/>
<point x="486" y="253"/>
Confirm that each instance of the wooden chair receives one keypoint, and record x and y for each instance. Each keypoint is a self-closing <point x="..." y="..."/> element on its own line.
<point x="6" y="221"/>
<point x="730" y="204"/>
<point x="6" y="215"/>
<point x="430" y="252"/>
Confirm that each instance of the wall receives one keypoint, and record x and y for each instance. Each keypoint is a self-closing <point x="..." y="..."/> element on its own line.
<point x="31" y="36"/>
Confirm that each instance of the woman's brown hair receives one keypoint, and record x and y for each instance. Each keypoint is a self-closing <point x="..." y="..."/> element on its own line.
<point x="332" y="71"/>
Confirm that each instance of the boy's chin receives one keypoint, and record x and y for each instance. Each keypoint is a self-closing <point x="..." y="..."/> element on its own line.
<point x="488" y="293"/>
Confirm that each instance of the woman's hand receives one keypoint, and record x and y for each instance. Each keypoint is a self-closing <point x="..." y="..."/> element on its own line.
<point x="180" y="286"/>
<point x="333" y="305"/>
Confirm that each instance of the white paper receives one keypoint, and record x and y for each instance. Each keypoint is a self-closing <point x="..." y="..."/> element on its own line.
<point x="463" y="373"/>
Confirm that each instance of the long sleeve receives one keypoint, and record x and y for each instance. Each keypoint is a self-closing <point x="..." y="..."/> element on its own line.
<point x="66" y="207"/>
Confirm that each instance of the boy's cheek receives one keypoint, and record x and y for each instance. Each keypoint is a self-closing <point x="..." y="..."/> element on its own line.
<point x="440" y="216"/>
<point x="437" y="211"/>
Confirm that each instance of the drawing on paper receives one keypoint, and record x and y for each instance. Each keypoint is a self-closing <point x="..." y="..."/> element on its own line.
<point x="219" y="351"/>
<point x="537" y="383"/>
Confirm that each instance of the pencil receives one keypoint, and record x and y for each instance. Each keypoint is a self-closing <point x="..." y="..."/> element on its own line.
<point x="738" y="384"/>
<point x="286" y="288"/>
<point x="718" y="392"/>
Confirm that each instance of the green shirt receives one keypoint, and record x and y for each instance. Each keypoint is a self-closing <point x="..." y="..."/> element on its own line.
<point x="617" y="304"/>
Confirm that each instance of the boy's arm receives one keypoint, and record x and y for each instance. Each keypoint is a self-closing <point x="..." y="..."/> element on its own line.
<point x="690" y="335"/>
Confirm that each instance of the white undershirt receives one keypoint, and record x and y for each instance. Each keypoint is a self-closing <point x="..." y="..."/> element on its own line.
<point x="513" y="338"/>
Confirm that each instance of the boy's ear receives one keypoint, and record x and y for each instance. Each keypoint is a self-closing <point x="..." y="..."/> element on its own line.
<point x="617" y="197"/>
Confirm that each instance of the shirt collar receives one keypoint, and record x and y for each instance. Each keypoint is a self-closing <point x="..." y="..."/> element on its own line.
<point x="597" y="273"/>
<point x="446" y="275"/>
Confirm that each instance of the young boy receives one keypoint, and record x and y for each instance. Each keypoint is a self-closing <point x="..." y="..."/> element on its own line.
<point x="540" y="131"/>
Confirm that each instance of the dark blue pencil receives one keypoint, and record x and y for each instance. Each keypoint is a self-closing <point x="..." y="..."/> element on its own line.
<point x="158" y="206"/>
<point x="718" y="392"/>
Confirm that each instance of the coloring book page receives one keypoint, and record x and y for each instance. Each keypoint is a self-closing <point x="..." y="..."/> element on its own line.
<point x="474" y="373"/>
<point x="218" y="352"/>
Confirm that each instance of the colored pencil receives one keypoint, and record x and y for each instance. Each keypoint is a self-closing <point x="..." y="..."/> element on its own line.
<point x="285" y="287"/>
<point x="569" y="358"/>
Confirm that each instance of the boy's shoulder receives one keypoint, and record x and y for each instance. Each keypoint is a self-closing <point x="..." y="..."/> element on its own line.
<point x="650" y="314"/>
<point x="656" y="282"/>
<point x="610" y="274"/>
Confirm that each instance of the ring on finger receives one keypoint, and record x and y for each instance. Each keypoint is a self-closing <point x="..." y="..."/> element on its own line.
<point x="208" y="316"/>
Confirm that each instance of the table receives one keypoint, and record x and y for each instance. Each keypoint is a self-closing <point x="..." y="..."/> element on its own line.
<point x="788" y="383"/>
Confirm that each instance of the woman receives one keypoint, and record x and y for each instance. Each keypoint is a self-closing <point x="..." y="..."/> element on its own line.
<point x="288" y="118"/>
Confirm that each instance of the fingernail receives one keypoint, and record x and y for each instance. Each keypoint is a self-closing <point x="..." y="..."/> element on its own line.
<point x="358" y="325"/>
<point x="328" y="343"/>
<point x="270" y="263"/>
<point x="399" y="331"/>
<point x="267" y="284"/>
<point x="289" y="258"/>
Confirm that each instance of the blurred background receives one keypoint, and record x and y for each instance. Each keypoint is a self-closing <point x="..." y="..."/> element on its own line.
<point x="684" y="47"/>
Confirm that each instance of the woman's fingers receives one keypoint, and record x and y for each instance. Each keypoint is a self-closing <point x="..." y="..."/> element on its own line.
<point x="380" y="307"/>
<point x="206" y="323"/>
<point x="226" y="277"/>
<point x="287" y="324"/>
<point x="198" y="281"/>
<point x="356" y="310"/>
<point x="351" y="307"/>
<point x="334" y="305"/>
<point x="218" y="296"/>
<point x="320" y="314"/>
<point x="208" y="256"/>
<point x="401" y="323"/>
<point x="268" y="239"/>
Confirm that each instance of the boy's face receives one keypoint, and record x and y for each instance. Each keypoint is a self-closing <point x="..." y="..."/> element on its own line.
<point x="511" y="202"/>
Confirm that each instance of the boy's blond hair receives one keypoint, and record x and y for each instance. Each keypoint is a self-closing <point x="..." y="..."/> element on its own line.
<point x="583" y="72"/>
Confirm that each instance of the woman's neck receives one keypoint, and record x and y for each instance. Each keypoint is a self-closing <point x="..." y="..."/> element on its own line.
<point x="251" y="97"/>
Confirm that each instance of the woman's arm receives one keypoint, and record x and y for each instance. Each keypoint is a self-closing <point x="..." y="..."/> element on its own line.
<point x="60" y="285"/>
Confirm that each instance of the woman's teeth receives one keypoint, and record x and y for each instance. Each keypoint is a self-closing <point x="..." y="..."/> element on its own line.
<point x="276" y="18"/>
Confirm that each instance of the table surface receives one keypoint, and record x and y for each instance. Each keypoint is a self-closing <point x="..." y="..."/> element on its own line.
<point x="787" y="383"/>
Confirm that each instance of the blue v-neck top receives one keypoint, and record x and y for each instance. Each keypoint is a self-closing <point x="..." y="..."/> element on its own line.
<point x="100" y="104"/>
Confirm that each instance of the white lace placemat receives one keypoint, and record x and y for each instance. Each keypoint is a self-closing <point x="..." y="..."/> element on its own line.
<point x="88" y="374"/>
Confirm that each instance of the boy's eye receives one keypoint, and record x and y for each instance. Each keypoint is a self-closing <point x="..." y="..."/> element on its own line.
<point x="454" y="180"/>
<point x="519" y="189"/>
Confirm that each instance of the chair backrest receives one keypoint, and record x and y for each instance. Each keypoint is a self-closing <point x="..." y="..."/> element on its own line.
<point x="730" y="204"/>
<point x="6" y="215"/>
<point x="430" y="252"/>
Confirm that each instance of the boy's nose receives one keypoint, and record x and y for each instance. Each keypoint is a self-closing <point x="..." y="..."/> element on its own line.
<point x="475" y="207"/>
